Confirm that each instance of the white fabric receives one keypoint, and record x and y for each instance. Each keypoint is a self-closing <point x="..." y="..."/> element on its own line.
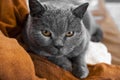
<point x="97" y="53"/>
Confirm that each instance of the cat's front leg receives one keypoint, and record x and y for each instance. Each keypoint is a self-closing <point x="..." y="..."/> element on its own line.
<point x="80" y="69"/>
<point x="62" y="62"/>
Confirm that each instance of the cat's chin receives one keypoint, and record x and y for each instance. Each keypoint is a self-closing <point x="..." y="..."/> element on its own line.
<point x="58" y="54"/>
<point x="51" y="55"/>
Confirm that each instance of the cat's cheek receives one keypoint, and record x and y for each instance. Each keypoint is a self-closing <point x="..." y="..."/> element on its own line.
<point x="45" y="41"/>
<point x="73" y="41"/>
<point x="66" y="50"/>
<point x="63" y="51"/>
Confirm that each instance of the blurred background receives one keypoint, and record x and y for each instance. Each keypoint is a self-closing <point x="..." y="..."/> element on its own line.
<point x="113" y="7"/>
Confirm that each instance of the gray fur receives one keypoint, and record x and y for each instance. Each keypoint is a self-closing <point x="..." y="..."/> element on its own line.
<point x="67" y="52"/>
<point x="92" y="27"/>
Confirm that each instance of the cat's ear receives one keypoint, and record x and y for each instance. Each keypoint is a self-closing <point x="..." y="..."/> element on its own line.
<point x="80" y="11"/>
<point x="36" y="8"/>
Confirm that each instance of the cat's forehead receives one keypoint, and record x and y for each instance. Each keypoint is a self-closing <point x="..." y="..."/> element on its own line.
<point x="58" y="14"/>
<point x="60" y="21"/>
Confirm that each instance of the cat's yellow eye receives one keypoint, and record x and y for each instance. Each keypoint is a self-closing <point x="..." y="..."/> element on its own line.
<point x="46" y="33"/>
<point x="69" y="34"/>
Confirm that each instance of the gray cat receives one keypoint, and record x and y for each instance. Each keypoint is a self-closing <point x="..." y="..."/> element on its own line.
<point x="59" y="34"/>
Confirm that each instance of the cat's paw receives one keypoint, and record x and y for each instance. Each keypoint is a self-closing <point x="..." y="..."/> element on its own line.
<point x="63" y="62"/>
<point x="67" y="66"/>
<point x="97" y="36"/>
<point x="81" y="72"/>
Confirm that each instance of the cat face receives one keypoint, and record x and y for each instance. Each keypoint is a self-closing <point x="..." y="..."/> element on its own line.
<point x="56" y="31"/>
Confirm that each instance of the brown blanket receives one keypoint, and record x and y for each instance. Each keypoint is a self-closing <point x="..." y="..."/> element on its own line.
<point x="16" y="63"/>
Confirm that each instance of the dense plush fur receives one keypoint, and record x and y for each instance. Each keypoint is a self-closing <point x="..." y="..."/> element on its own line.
<point x="59" y="34"/>
<point x="88" y="20"/>
<point x="92" y="27"/>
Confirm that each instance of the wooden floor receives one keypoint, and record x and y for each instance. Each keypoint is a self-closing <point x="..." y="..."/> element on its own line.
<point x="114" y="10"/>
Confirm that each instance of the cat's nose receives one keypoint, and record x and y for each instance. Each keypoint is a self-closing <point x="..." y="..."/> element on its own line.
<point x="58" y="43"/>
<point x="58" y="46"/>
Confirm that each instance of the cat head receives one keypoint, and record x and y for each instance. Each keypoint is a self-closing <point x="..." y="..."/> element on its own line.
<point x="56" y="31"/>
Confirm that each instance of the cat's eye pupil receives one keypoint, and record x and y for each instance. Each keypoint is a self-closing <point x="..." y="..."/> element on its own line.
<point x="46" y="33"/>
<point x="69" y="34"/>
